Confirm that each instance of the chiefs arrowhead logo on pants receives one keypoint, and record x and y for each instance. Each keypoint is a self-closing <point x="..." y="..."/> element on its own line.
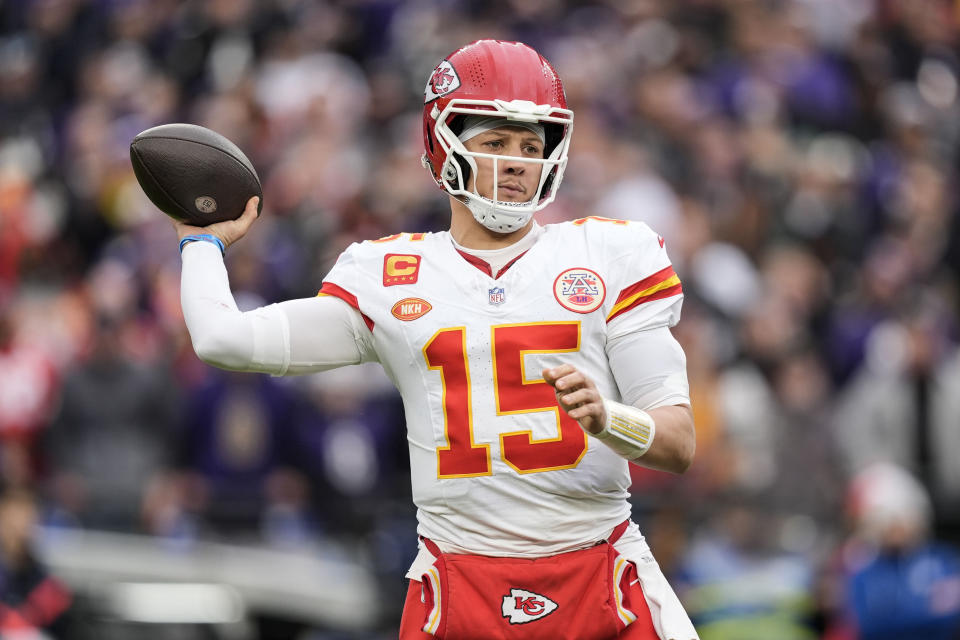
<point x="525" y="606"/>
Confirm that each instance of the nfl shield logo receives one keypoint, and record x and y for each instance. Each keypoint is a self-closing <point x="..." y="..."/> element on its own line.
<point x="497" y="295"/>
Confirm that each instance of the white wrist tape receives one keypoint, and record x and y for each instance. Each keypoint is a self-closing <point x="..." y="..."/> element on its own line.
<point x="628" y="431"/>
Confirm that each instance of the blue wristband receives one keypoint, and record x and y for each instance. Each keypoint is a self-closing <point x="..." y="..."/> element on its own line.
<point x="204" y="237"/>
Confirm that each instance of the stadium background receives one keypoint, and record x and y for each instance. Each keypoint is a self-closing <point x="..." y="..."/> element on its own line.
<point x="798" y="156"/>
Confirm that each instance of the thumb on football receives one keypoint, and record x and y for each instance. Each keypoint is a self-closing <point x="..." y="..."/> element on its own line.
<point x="236" y="229"/>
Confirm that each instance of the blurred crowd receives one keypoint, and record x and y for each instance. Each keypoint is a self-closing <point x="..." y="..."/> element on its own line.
<point x="799" y="157"/>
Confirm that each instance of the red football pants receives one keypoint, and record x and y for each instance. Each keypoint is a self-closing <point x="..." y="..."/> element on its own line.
<point x="414" y="612"/>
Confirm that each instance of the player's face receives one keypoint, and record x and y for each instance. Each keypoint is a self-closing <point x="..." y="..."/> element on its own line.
<point x="516" y="179"/>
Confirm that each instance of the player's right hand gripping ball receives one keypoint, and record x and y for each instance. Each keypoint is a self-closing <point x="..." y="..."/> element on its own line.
<point x="193" y="174"/>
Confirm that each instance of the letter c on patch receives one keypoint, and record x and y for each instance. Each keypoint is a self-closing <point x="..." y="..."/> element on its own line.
<point x="399" y="268"/>
<point x="401" y="265"/>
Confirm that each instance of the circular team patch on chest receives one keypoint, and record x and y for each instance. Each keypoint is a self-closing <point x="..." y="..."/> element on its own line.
<point x="580" y="290"/>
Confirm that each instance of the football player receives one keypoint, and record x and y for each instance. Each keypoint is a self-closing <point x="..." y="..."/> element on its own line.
<point x="535" y="362"/>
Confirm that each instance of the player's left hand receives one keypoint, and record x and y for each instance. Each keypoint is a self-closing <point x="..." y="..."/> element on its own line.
<point x="578" y="396"/>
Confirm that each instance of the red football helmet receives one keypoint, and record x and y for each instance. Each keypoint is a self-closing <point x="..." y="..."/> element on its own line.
<point x="499" y="79"/>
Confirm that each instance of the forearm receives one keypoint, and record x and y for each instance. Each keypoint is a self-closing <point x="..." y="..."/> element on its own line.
<point x="297" y="336"/>
<point x="675" y="442"/>
<point x="661" y="438"/>
<point x="220" y="333"/>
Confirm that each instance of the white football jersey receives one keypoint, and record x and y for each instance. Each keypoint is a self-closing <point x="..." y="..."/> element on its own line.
<point x="497" y="467"/>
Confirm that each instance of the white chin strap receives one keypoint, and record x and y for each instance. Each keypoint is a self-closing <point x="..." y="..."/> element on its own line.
<point x="502" y="217"/>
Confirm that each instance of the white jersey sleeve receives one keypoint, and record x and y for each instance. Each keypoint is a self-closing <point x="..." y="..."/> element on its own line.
<point x="350" y="282"/>
<point x="647" y="289"/>
<point x="296" y="336"/>
<point x="645" y="297"/>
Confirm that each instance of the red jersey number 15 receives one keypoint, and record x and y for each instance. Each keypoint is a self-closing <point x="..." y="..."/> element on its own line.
<point x="514" y="393"/>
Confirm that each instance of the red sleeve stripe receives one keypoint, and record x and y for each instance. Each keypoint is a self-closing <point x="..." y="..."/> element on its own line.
<point x="645" y="284"/>
<point x="330" y="289"/>
<point x="662" y="284"/>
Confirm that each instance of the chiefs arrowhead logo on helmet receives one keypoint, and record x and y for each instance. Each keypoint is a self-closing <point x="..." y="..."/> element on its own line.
<point x="443" y="80"/>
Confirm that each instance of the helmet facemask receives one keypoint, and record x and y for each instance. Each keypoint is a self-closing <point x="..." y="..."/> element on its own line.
<point x="495" y="214"/>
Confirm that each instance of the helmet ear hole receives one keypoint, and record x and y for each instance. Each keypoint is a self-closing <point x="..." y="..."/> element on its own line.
<point x="450" y="172"/>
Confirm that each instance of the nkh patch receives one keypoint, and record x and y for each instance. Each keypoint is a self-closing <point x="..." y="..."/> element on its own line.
<point x="443" y="80"/>
<point x="400" y="268"/>
<point x="580" y="290"/>
<point x="410" y="309"/>
<point x="498" y="296"/>
<point x="523" y="606"/>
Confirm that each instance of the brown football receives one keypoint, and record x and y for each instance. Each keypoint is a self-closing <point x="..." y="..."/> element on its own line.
<point x="194" y="174"/>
